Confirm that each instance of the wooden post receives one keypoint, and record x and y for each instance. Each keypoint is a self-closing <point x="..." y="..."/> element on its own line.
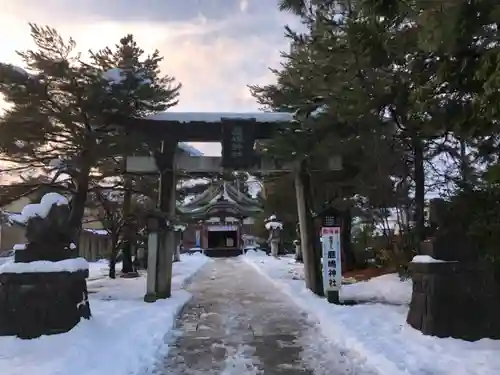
<point x="312" y="271"/>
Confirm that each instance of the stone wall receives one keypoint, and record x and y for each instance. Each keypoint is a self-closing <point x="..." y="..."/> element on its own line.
<point x="93" y="246"/>
<point x="455" y="299"/>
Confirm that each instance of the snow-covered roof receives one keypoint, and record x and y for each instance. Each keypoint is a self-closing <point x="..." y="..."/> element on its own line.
<point x="185" y="117"/>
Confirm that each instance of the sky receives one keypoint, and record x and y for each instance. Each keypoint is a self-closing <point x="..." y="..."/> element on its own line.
<point x="215" y="48"/>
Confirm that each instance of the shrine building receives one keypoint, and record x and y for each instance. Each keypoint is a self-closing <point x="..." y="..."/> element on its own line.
<point x="220" y="220"/>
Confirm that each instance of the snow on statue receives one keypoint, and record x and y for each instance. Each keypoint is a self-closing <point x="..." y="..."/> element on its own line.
<point x="274" y="227"/>
<point x="44" y="290"/>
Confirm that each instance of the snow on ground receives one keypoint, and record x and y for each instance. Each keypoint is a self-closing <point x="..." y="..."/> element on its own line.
<point x="387" y="289"/>
<point x="100" y="269"/>
<point x="378" y="331"/>
<point x="124" y="336"/>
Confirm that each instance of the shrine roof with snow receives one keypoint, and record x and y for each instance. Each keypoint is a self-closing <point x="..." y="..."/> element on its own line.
<point x="222" y="199"/>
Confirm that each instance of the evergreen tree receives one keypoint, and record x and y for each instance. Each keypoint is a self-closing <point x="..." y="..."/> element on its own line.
<point x="320" y="81"/>
<point x="60" y="107"/>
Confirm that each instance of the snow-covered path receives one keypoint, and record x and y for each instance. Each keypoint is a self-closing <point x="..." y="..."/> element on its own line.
<point x="238" y="323"/>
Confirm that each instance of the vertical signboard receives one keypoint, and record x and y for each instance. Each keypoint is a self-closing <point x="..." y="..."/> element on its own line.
<point x="332" y="266"/>
<point x="238" y="140"/>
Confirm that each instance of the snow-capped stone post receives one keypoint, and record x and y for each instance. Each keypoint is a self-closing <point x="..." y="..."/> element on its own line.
<point x="274" y="226"/>
<point x="44" y="291"/>
<point x="455" y="292"/>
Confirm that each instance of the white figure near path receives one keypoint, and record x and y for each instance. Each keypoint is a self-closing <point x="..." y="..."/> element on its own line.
<point x="274" y="227"/>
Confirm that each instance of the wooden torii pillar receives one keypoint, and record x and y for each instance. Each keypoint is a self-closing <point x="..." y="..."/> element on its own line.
<point x="237" y="132"/>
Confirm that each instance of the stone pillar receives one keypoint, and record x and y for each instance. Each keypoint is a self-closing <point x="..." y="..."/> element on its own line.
<point x="455" y="293"/>
<point x="42" y="303"/>
<point x="455" y="299"/>
<point x="152" y="267"/>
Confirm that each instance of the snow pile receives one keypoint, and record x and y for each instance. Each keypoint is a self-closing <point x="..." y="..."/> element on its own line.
<point x="124" y="336"/>
<point x="383" y="289"/>
<point x="40" y="209"/>
<point x="19" y="246"/>
<point x="99" y="232"/>
<point x="67" y="265"/>
<point x="426" y="259"/>
<point x="378" y="332"/>
<point x="255" y="253"/>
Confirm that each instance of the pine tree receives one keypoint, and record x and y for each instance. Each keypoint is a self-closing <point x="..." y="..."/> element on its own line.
<point x="60" y="107"/>
<point x="320" y="81"/>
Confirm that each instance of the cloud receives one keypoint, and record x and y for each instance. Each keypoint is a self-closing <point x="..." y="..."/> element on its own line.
<point x="215" y="48"/>
<point x="243" y="5"/>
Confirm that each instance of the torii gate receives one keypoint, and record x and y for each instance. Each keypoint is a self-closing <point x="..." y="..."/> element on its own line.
<point x="237" y="132"/>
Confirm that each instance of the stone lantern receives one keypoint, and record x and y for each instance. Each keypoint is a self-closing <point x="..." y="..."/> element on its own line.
<point x="274" y="227"/>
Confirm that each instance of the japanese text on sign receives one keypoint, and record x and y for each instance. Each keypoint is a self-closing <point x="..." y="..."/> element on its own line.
<point x="332" y="268"/>
<point x="237" y="142"/>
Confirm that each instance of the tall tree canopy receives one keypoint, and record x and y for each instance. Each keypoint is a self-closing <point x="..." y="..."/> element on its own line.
<point x="60" y="103"/>
<point x="391" y="86"/>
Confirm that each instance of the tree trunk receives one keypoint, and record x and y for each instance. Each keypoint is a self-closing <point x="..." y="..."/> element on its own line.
<point x="346" y="240"/>
<point x="78" y="203"/>
<point x="127" y="228"/>
<point x="112" y="259"/>
<point x="419" y="178"/>
<point x="309" y="239"/>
